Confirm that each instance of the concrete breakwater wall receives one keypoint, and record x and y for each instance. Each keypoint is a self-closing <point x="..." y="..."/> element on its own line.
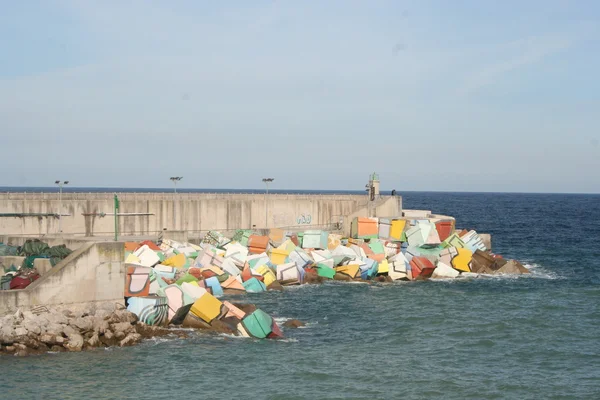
<point x="91" y="214"/>
<point x="94" y="272"/>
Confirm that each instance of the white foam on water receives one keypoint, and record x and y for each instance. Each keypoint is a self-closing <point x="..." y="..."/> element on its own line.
<point x="308" y="325"/>
<point x="538" y="271"/>
<point x="288" y="340"/>
<point x="158" y="340"/>
<point x="281" y="320"/>
<point x="223" y="336"/>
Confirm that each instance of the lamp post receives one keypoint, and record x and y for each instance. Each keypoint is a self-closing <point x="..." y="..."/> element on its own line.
<point x="267" y="181"/>
<point x="175" y="179"/>
<point x="60" y="186"/>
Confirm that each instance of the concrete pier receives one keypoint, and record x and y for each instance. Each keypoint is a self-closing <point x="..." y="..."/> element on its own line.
<point x="91" y="214"/>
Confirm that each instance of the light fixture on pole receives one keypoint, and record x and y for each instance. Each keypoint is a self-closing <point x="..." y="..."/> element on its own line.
<point x="267" y="181"/>
<point x="176" y="179"/>
<point x="60" y="186"/>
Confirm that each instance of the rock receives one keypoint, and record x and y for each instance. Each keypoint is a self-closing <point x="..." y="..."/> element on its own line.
<point x="75" y="342"/>
<point x="54" y="329"/>
<point x="108" y="339"/>
<point x="82" y="323"/>
<point x="94" y="341"/>
<point x="119" y="335"/>
<point x="275" y="285"/>
<point x="124" y="327"/>
<point x="124" y="316"/>
<point x="32" y="326"/>
<point x="20" y="346"/>
<point x="10" y="349"/>
<point x="18" y="315"/>
<point x="57" y="349"/>
<point x="7" y="320"/>
<point x="99" y="324"/>
<point x="57" y="318"/>
<point x="22" y="353"/>
<point x="131" y="339"/>
<point x="42" y="347"/>
<point x="30" y="343"/>
<point x="28" y="315"/>
<point x="48" y="339"/>
<point x="341" y="277"/>
<point x="59" y="339"/>
<point x="102" y="314"/>
<point x="69" y="330"/>
<point x="313" y="278"/>
<point x="106" y="307"/>
<point x="7" y="334"/>
<point x="68" y="313"/>
<point x="20" y="331"/>
<point x="222" y="327"/>
<point x="149" y="331"/>
<point x="232" y="322"/>
<point x="293" y="323"/>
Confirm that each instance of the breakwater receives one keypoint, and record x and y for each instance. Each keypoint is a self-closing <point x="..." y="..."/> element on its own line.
<point x="179" y="283"/>
<point x="92" y="214"/>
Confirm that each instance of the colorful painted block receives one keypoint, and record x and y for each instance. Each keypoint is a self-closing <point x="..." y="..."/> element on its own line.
<point x="288" y="274"/>
<point x="278" y="256"/>
<point x="364" y="228"/>
<point x="348" y="270"/>
<point x="258" y="324"/>
<point x="148" y="257"/>
<point x="421" y="267"/>
<point x="208" y="308"/>
<point x="150" y="310"/>
<point x="214" y="285"/>
<point x="462" y="260"/>
<point x="253" y="285"/>
<point x="233" y="284"/>
<point x="137" y="281"/>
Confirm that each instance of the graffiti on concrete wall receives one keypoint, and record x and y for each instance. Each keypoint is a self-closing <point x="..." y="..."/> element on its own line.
<point x="304" y="219"/>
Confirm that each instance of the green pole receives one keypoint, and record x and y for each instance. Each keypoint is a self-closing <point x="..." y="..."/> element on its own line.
<point x="116" y="217"/>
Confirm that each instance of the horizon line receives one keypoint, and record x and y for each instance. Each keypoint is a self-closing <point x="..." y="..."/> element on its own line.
<point x="52" y="189"/>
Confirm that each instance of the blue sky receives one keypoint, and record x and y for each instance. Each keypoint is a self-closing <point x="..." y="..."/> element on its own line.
<point x="433" y="95"/>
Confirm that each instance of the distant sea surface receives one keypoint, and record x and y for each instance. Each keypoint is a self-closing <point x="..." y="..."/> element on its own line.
<point x="526" y="337"/>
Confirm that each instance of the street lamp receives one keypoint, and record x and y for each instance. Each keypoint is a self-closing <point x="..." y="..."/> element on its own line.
<point x="176" y="179"/>
<point x="60" y="186"/>
<point x="267" y="181"/>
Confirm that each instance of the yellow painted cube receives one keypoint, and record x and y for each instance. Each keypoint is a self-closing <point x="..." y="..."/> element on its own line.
<point x="207" y="308"/>
<point x="462" y="260"/>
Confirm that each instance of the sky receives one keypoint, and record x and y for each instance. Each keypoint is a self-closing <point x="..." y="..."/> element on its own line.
<point x="432" y="95"/>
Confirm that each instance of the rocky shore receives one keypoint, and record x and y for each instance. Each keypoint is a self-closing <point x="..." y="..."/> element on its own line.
<point x="74" y="328"/>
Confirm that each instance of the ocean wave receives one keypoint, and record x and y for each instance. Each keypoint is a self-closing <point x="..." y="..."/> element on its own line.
<point x="538" y="271"/>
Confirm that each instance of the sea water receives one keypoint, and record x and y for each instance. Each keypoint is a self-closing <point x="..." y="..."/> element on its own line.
<point x="525" y="337"/>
